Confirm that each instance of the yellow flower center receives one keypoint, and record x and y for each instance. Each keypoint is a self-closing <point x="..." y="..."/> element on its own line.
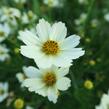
<point x="1" y="91"/>
<point x="19" y="103"/>
<point x="50" y="47"/>
<point x="49" y="78"/>
<point x="1" y="33"/>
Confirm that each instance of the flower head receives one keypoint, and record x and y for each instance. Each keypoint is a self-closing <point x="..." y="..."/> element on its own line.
<point x="4" y="53"/>
<point x="4" y="31"/>
<point x="19" y="103"/>
<point x="48" y="82"/>
<point x="54" y="3"/>
<point x="49" y="46"/>
<point x="3" y="91"/>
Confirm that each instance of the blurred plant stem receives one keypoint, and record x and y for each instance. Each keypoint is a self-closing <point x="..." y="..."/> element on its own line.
<point x="73" y="80"/>
<point x="36" y="7"/>
<point x="89" y="14"/>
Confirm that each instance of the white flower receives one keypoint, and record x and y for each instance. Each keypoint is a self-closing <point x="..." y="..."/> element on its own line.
<point x="4" y="53"/>
<point x="28" y="17"/>
<point x="3" y="91"/>
<point x="4" y="31"/>
<point x="26" y="74"/>
<point x="53" y="3"/>
<point x="29" y="107"/>
<point x="48" y="82"/>
<point x="81" y="19"/>
<point x="104" y="102"/>
<point x="106" y="17"/>
<point x="20" y="1"/>
<point x="83" y="1"/>
<point x="50" y="46"/>
<point x="10" y="15"/>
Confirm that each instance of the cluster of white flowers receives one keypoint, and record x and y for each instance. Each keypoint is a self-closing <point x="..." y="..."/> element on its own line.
<point x="104" y="102"/>
<point x="54" y="3"/>
<point x="3" y="91"/>
<point x="53" y="54"/>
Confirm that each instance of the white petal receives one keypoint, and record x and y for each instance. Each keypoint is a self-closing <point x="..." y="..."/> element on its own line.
<point x="58" y="31"/>
<point x="29" y="38"/>
<point x="52" y="94"/>
<point x="70" y="42"/>
<point x="62" y="60"/>
<point x="33" y="84"/>
<point x="63" y="83"/>
<point x="62" y="71"/>
<point x="31" y="72"/>
<point x="30" y="51"/>
<point x="42" y="91"/>
<point x="74" y="53"/>
<point x="44" y="61"/>
<point x="43" y="30"/>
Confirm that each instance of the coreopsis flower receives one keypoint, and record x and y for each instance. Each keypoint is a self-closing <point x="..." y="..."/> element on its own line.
<point x="48" y="82"/>
<point x="106" y="17"/>
<point x="4" y="53"/>
<point x="104" y="102"/>
<point x="10" y="15"/>
<point x="26" y="74"/>
<point x="81" y="19"/>
<point x="3" y="91"/>
<point x="28" y="17"/>
<point x="49" y="46"/>
<point x="53" y="3"/>
<point x="4" y="31"/>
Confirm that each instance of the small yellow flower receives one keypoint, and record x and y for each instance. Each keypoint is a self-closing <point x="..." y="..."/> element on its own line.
<point x="19" y="103"/>
<point x="92" y="62"/>
<point x="88" y="84"/>
<point x="16" y="50"/>
<point x="88" y="40"/>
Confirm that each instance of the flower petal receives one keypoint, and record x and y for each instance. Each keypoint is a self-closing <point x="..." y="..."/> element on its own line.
<point x="62" y="71"/>
<point x="58" y="31"/>
<point x="43" y="29"/>
<point x="33" y="84"/>
<point x="42" y="91"/>
<point x="74" y="53"/>
<point x="30" y="51"/>
<point x="63" y="83"/>
<point x="44" y="61"/>
<point x="70" y="42"/>
<point x="52" y="94"/>
<point x="32" y="72"/>
<point x="29" y="38"/>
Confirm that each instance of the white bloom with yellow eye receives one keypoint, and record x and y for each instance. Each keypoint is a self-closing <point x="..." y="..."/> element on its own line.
<point x="3" y="91"/>
<point x="48" y="82"/>
<point x="26" y="74"/>
<point x="49" y="46"/>
<point x="4" y="31"/>
<point x="53" y="3"/>
<point x="104" y="102"/>
<point x="4" y="53"/>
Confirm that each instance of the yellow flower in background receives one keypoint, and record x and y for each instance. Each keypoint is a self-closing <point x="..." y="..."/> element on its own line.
<point x="19" y="103"/>
<point x="92" y="62"/>
<point x="88" y="84"/>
